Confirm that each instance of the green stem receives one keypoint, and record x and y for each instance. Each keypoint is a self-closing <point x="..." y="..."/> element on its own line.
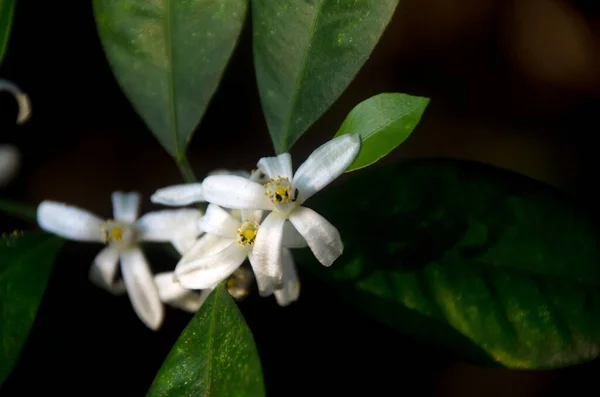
<point x="186" y="169"/>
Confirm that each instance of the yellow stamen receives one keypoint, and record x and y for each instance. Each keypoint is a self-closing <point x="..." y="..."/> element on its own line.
<point x="247" y="232"/>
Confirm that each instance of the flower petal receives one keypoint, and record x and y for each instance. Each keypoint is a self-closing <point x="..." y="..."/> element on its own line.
<point x="279" y="166"/>
<point x="322" y="237"/>
<point x="247" y="214"/>
<point x="221" y="171"/>
<point x="266" y="261"/>
<point x="183" y="245"/>
<point x="208" y="271"/>
<point x="291" y="237"/>
<point x="291" y="284"/>
<point x="126" y="206"/>
<point x="179" y="195"/>
<point x="169" y="225"/>
<point x="325" y="164"/>
<point x="220" y="222"/>
<point x="206" y="245"/>
<point x="231" y="191"/>
<point x="141" y="288"/>
<point x="22" y="100"/>
<point x="69" y="222"/>
<point x="104" y="269"/>
<point x="171" y="292"/>
<point x="9" y="163"/>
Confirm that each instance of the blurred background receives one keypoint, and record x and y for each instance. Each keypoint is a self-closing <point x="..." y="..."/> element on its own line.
<point x="513" y="83"/>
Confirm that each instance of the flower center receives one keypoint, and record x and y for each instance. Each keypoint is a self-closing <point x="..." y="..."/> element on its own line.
<point x="247" y="232"/>
<point x="280" y="191"/>
<point x="118" y="233"/>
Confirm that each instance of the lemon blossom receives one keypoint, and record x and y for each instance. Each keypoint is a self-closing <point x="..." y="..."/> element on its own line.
<point x="9" y="163"/>
<point x="283" y="195"/>
<point x="228" y="241"/>
<point x="122" y="236"/>
<point x="22" y="100"/>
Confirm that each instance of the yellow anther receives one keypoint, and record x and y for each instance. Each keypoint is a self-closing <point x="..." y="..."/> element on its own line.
<point x="116" y="234"/>
<point x="280" y="190"/>
<point x="247" y="232"/>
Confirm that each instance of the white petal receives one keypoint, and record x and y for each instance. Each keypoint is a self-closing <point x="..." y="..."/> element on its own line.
<point x="266" y="261"/>
<point x="206" y="245"/>
<point x="325" y="164"/>
<point x="179" y="195"/>
<point x="280" y="166"/>
<point x="183" y="245"/>
<point x="104" y="268"/>
<point x="322" y="237"/>
<point x="220" y="171"/>
<point x="9" y="163"/>
<point x="231" y="191"/>
<point x="171" y="292"/>
<point x="220" y="222"/>
<point x="208" y="271"/>
<point x="291" y="284"/>
<point x="126" y="206"/>
<point x="291" y="237"/>
<point x="69" y="222"/>
<point x="141" y="288"/>
<point x="169" y="225"/>
<point x="22" y="100"/>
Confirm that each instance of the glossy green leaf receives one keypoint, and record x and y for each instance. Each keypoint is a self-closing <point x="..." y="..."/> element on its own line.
<point x="492" y="265"/>
<point x="214" y="356"/>
<point x="306" y="52"/>
<point x="18" y="210"/>
<point x="168" y="57"/>
<point x="26" y="262"/>
<point x="7" y="9"/>
<point x="383" y="122"/>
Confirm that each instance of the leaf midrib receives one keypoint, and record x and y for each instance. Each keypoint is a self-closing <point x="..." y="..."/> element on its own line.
<point x="211" y="342"/>
<point x="299" y="77"/>
<point x="171" y="88"/>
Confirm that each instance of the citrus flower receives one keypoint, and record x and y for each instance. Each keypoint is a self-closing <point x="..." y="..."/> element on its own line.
<point x="284" y="195"/>
<point x="122" y="236"/>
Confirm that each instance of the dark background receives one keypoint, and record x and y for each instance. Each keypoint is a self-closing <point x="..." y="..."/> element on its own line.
<point x="513" y="83"/>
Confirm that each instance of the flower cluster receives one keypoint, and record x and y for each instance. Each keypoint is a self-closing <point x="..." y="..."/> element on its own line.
<point x="259" y="216"/>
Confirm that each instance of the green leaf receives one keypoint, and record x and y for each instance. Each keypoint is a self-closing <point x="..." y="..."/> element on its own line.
<point x="494" y="266"/>
<point x="7" y="10"/>
<point x="26" y="262"/>
<point x="19" y="210"/>
<point x="383" y="122"/>
<point x="214" y="356"/>
<point x="306" y="52"/>
<point x="168" y="57"/>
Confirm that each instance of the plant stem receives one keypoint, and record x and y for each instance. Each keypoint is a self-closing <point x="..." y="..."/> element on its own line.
<point x="186" y="169"/>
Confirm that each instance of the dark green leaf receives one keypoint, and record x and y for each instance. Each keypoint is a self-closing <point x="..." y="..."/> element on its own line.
<point x="168" y="57"/>
<point x="306" y="52"/>
<point x="214" y="356"/>
<point x="18" y="210"/>
<point x="7" y="9"/>
<point x="490" y="264"/>
<point x="383" y="122"/>
<point x="25" y="265"/>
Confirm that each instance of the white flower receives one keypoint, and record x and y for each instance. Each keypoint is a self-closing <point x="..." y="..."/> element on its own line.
<point x="22" y="100"/>
<point x="9" y="163"/>
<point x="228" y="241"/>
<point x="123" y="234"/>
<point x="284" y="195"/>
